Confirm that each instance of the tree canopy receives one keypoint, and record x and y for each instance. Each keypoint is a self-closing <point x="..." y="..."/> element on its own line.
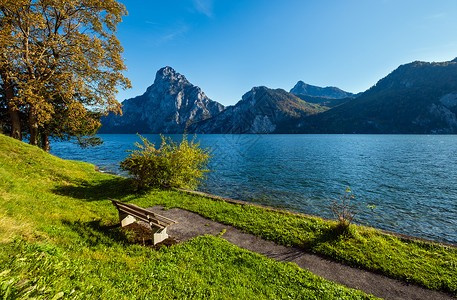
<point x="60" y="67"/>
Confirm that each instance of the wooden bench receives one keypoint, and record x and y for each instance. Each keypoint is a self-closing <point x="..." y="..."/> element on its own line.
<point x="129" y="213"/>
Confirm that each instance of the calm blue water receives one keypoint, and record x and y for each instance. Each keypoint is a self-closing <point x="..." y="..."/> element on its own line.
<point x="411" y="179"/>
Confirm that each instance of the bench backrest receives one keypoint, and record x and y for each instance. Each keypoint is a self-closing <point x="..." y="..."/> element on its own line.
<point x="142" y="214"/>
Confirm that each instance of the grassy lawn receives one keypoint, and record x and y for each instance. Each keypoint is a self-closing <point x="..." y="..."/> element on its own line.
<point x="429" y="265"/>
<point x="59" y="239"/>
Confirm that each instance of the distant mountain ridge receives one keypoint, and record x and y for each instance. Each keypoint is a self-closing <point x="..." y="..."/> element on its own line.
<point x="324" y="101"/>
<point x="261" y="110"/>
<point x="328" y="97"/>
<point x="419" y="97"/>
<point x="168" y="106"/>
<point x="302" y="88"/>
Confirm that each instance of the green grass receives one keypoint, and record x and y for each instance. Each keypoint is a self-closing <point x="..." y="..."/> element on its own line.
<point x="59" y="239"/>
<point x="205" y="267"/>
<point x="429" y="265"/>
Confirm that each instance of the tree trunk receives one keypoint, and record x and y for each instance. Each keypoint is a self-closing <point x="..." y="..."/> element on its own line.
<point x="16" y="131"/>
<point x="15" y="124"/>
<point x="45" y="142"/>
<point x="33" y="124"/>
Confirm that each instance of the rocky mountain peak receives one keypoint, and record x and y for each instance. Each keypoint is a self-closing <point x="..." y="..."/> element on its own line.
<point x="167" y="80"/>
<point x="302" y="88"/>
<point x="252" y="93"/>
<point x="169" y="75"/>
<point x="168" y="106"/>
<point x="260" y="110"/>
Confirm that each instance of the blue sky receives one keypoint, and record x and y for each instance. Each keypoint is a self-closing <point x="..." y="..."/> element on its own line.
<point x="226" y="47"/>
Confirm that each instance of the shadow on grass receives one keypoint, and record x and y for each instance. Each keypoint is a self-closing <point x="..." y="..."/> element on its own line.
<point x="99" y="190"/>
<point x="329" y="235"/>
<point x="94" y="233"/>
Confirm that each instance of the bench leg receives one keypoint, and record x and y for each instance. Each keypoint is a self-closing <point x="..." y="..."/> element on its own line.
<point x="126" y="219"/>
<point x="159" y="235"/>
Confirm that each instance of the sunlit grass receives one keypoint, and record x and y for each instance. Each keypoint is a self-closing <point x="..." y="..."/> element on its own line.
<point x="430" y="265"/>
<point x="205" y="267"/>
<point x="64" y="204"/>
<point x="59" y="239"/>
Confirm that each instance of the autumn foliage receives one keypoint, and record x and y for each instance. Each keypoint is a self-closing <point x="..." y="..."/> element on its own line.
<point x="60" y="67"/>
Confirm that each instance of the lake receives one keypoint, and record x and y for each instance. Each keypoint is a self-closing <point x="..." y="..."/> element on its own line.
<point x="410" y="179"/>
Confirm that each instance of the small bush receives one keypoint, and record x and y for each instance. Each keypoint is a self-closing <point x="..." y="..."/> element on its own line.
<point x="181" y="165"/>
<point x="344" y="210"/>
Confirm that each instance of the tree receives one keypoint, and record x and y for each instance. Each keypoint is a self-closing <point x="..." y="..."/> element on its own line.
<point x="71" y="121"/>
<point x="60" y="60"/>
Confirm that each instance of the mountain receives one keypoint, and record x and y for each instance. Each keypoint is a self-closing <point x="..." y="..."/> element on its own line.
<point x="329" y="96"/>
<point x="302" y="88"/>
<point x="167" y="106"/>
<point x="261" y="110"/>
<point x="418" y="97"/>
<point x="324" y="101"/>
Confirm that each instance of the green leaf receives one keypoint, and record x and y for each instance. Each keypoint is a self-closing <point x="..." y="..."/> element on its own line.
<point x="58" y="295"/>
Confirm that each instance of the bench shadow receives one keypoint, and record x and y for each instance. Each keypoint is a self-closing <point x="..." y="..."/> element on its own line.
<point x="289" y="254"/>
<point x="109" y="188"/>
<point x="93" y="233"/>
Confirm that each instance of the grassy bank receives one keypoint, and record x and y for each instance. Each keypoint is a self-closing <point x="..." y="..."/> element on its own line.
<point x="63" y="204"/>
<point x="429" y="265"/>
<point x="59" y="239"/>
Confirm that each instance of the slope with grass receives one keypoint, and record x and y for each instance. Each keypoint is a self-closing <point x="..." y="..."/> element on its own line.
<point x="59" y="239"/>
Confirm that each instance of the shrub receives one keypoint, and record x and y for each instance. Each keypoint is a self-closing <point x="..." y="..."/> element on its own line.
<point x="343" y="209"/>
<point x="181" y="165"/>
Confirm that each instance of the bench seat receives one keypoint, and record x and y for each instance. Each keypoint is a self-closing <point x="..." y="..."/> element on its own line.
<point x="129" y="213"/>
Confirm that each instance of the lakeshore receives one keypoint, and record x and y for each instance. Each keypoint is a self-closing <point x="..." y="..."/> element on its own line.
<point x="408" y="178"/>
<point x="60" y="207"/>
